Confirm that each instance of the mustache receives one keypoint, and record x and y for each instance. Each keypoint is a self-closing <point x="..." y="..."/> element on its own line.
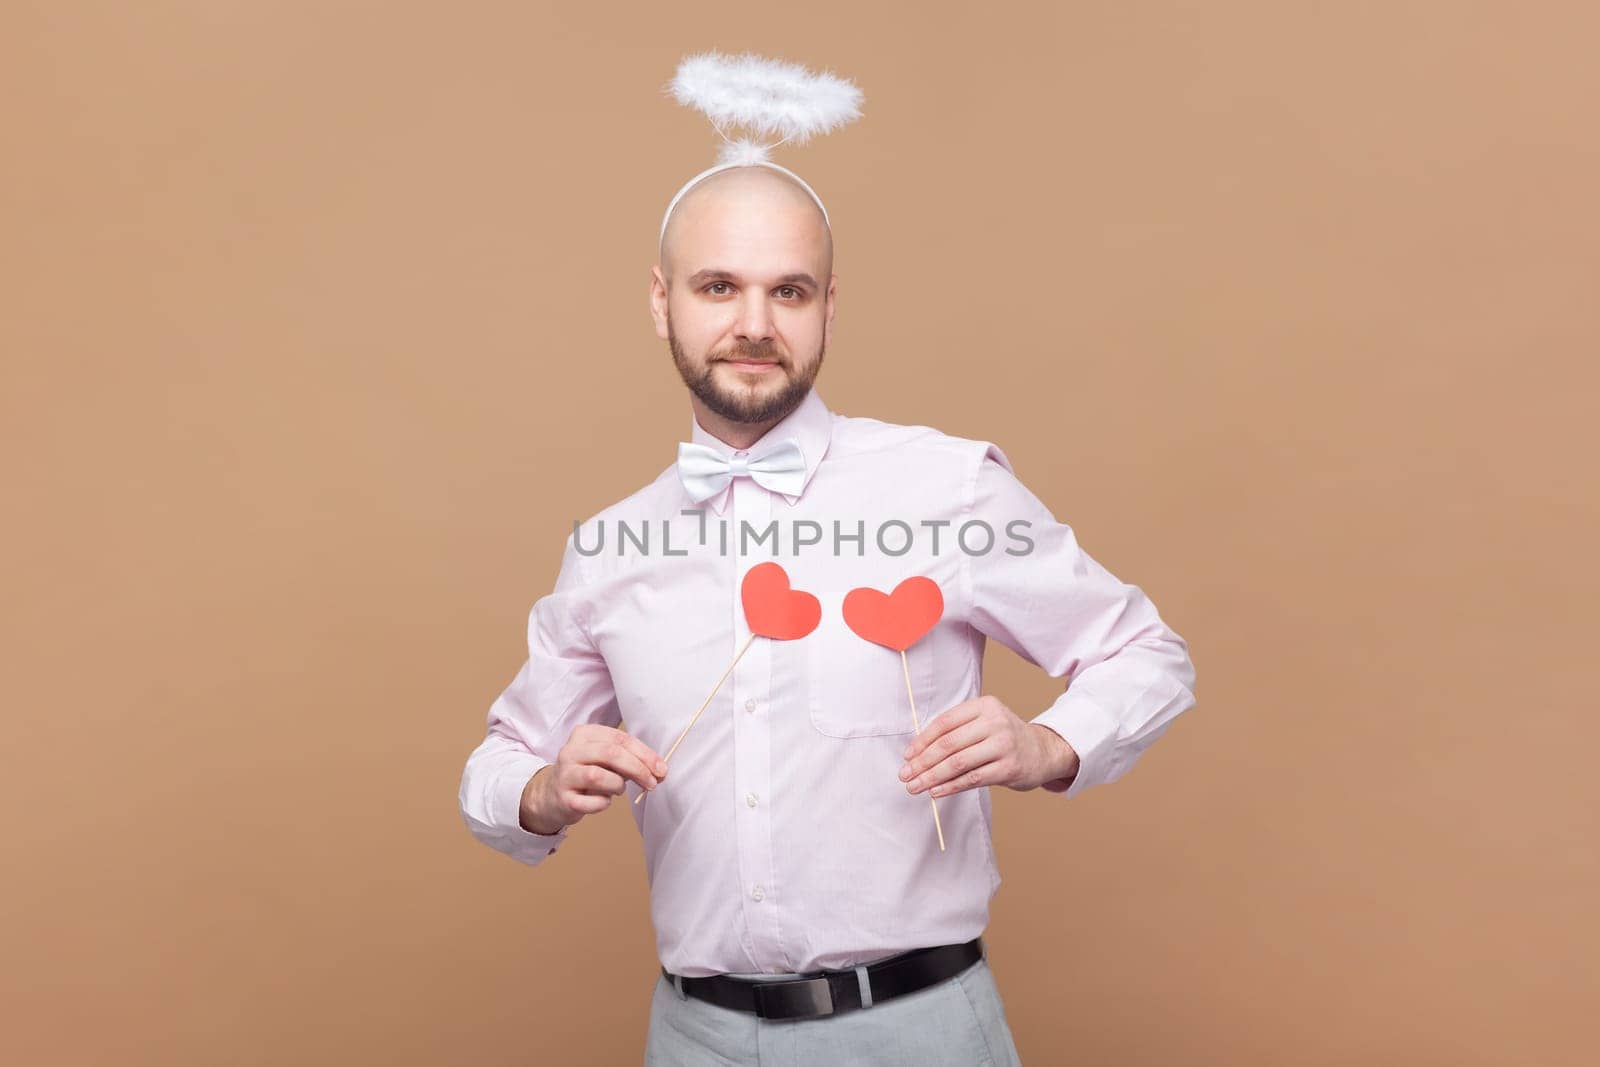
<point x="764" y="352"/>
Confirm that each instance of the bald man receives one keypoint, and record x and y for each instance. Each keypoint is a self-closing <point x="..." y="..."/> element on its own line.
<point x="812" y="904"/>
<point x="747" y="361"/>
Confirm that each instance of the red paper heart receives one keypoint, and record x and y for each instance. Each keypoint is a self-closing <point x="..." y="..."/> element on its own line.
<point x="772" y="609"/>
<point x="896" y="620"/>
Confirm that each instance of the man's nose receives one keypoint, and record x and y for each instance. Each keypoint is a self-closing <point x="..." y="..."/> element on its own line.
<point x="755" y="321"/>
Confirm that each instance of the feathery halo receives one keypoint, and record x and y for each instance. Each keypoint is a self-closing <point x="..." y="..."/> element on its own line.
<point x="765" y="95"/>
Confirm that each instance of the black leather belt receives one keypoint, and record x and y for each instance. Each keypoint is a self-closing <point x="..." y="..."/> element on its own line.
<point x="833" y="992"/>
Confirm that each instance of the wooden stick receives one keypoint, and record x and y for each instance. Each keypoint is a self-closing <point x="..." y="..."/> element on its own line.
<point x="713" y="693"/>
<point x="906" y="667"/>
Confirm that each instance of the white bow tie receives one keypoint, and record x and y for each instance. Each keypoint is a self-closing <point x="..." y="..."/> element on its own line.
<point x="705" y="472"/>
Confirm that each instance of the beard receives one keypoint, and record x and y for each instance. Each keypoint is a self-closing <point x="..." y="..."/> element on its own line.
<point x="754" y="402"/>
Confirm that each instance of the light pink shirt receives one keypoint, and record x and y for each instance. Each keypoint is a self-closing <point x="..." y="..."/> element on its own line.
<point x="782" y="839"/>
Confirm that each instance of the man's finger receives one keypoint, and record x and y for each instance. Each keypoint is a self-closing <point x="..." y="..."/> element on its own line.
<point x="647" y="755"/>
<point x="953" y="767"/>
<point x="942" y="723"/>
<point x="614" y="753"/>
<point x="589" y="803"/>
<point x="950" y="742"/>
<point x="597" y="780"/>
<point x="988" y="774"/>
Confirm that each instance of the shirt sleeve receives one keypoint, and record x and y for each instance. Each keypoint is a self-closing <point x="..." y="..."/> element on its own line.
<point x="563" y="683"/>
<point x="1041" y="595"/>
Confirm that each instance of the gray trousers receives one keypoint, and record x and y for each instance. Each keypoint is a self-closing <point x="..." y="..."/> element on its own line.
<point x="959" y="1022"/>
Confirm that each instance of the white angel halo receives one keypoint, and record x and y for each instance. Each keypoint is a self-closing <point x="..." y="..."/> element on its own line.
<point x="767" y="96"/>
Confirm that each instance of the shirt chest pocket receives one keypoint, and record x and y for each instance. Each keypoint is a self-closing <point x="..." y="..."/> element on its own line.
<point x="855" y="688"/>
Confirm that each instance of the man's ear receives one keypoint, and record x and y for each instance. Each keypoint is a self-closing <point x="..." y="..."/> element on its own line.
<point x="827" y="322"/>
<point x="658" y="301"/>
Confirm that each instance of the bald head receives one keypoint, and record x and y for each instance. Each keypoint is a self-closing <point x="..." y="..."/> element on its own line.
<point x="750" y="210"/>
<point x="744" y="296"/>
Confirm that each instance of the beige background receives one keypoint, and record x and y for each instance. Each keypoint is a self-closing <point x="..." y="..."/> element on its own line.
<point x="323" y="321"/>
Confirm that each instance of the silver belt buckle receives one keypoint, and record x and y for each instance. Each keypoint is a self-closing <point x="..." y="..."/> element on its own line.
<point x="813" y="993"/>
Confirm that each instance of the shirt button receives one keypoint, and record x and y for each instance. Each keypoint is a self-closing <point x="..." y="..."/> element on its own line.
<point x="757" y="893"/>
<point x="750" y="705"/>
<point x="750" y="799"/>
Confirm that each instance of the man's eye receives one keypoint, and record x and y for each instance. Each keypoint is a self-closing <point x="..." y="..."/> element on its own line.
<point x="713" y="286"/>
<point x="789" y="288"/>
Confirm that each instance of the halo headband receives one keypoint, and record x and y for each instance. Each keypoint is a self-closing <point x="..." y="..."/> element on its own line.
<point x="766" y="96"/>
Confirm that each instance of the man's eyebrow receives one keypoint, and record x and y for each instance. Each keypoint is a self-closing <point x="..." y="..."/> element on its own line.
<point x="710" y="274"/>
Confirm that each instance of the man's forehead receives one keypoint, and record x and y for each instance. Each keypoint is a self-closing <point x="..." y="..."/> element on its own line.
<point x="778" y="259"/>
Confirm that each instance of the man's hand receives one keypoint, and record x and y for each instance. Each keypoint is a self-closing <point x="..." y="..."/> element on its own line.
<point x="591" y="769"/>
<point x="982" y="742"/>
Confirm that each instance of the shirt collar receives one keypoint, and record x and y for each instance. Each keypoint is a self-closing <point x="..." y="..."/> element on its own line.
<point x="810" y="423"/>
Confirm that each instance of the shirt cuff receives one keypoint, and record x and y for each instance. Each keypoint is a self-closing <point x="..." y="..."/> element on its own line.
<point x="507" y="808"/>
<point x="1091" y="732"/>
